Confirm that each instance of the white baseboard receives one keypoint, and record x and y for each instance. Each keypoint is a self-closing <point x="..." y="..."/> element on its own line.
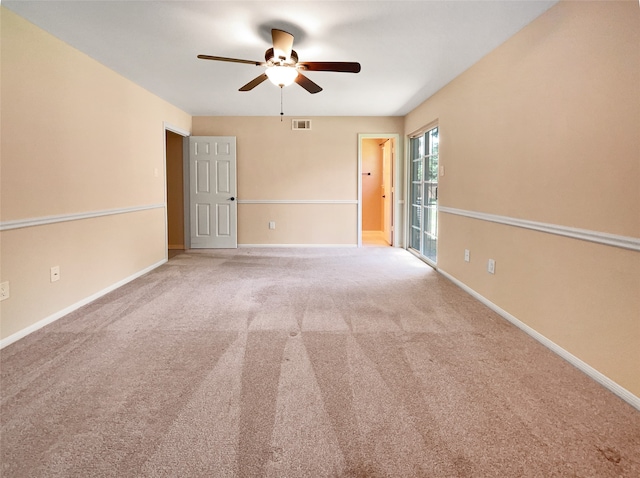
<point x="297" y="245"/>
<point x="603" y="380"/>
<point x="52" y="318"/>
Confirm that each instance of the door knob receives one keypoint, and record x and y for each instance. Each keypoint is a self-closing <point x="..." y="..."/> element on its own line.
<point x="232" y="199"/>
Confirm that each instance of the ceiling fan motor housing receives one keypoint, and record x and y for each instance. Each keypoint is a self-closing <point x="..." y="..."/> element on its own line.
<point x="271" y="59"/>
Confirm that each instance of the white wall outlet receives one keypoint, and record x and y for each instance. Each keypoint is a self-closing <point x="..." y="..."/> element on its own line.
<point x="467" y="257"/>
<point x="55" y="273"/>
<point x="272" y="224"/>
<point x="5" y="292"/>
<point x="491" y="266"/>
<point x="441" y="170"/>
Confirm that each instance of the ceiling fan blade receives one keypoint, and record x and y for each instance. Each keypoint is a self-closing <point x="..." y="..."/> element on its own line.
<point x="307" y="84"/>
<point x="232" y="60"/>
<point x="253" y="83"/>
<point x="339" y="66"/>
<point x="282" y="43"/>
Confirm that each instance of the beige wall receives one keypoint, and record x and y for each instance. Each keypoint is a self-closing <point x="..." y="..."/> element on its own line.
<point x="372" y="177"/>
<point x="277" y="163"/>
<point x="545" y="128"/>
<point x="76" y="138"/>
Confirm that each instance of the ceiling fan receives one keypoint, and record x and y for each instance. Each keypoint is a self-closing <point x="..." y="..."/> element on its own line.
<point x="283" y="67"/>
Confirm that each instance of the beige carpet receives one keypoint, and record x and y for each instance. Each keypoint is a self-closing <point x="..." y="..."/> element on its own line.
<point x="301" y="363"/>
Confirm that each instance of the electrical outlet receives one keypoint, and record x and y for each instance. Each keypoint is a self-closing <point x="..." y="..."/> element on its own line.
<point x="466" y="255"/>
<point x="55" y="273"/>
<point x="272" y="224"/>
<point x="5" y="292"/>
<point x="491" y="266"/>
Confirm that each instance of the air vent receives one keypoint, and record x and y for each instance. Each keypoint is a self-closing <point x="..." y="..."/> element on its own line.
<point x="300" y="124"/>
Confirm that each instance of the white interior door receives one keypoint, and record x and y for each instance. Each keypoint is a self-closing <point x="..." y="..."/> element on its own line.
<point x="213" y="204"/>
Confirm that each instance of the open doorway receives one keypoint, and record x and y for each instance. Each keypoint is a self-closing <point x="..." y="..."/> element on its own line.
<point x="175" y="190"/>
<point x="377" y="155"/>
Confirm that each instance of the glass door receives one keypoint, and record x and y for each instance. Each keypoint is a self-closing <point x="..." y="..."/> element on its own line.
<point x="423" y="234"/>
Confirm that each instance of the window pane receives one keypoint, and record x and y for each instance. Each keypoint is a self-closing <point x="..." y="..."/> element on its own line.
<point x="416" y="217"/>
<point x="432" y="168"/>
<point x="431" y="221"/>
<point x="430" y="248"/>
<point x="417" y="147"/>
<point x="416" y="193"/>
<point x="427" y="220"/>
<point x="415" y="238"/>
<point x="431" y="193"/>
<point x="416" y="173"/>
<point x="433" y="141"/>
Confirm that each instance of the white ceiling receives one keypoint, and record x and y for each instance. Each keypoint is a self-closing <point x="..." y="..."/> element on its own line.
<point x="408" y="49"/>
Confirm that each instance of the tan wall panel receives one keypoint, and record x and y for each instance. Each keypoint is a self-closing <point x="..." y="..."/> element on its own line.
<point x="581" y="295"/>
<point x="93" y="254"/>
<point x="76" y="138"/>
<point x="545" y="128"/>
<point x="298" y="224"/>
<point x="275" y="162"/>
<point x="73" y="131"/>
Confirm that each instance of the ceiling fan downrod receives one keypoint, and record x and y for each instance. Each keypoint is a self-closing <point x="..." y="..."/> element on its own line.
<point x="281" y="108"/>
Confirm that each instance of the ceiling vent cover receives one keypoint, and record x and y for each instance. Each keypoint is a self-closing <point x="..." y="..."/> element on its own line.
<point x="301" y="124"/>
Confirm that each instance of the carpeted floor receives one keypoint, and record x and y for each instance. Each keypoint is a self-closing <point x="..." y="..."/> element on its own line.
<point x="301" y="363"/>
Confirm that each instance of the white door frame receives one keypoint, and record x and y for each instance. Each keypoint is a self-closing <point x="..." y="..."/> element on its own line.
<point x="398" y="224"/>
<point x="185" y="134"/>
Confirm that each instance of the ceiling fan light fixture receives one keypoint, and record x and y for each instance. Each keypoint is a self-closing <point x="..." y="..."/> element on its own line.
<point x="282" y="75"/>
<point x="282" y="65"/>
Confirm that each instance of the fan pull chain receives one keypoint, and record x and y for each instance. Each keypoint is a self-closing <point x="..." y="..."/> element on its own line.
<point x="281" y="109"/>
